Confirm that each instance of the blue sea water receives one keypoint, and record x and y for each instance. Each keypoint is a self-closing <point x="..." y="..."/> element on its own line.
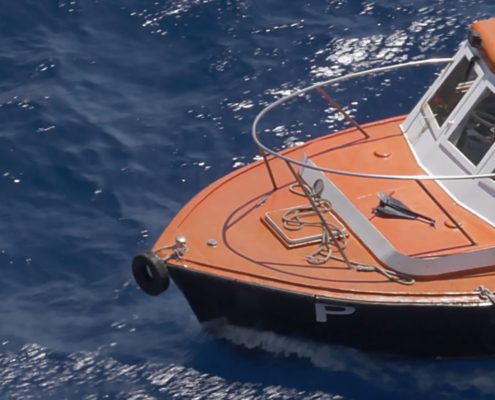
<point x="113" y="114"/>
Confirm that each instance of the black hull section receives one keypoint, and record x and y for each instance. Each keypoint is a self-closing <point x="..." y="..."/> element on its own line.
<point x="441" y="330"/>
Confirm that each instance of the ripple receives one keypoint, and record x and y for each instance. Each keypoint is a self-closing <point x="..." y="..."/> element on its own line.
<point x="114" y="114"/>
<point x="398" y="375"/>
<point x="36" y="373"/>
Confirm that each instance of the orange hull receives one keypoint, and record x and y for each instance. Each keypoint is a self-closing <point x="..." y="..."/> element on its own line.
<point x="232" y="212"/>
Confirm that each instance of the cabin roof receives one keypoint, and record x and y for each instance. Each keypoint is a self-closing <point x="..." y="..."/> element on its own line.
<point x="486" y="30"/>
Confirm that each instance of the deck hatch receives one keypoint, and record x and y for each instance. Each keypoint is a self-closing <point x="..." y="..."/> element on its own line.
<point x="309" y="232"/>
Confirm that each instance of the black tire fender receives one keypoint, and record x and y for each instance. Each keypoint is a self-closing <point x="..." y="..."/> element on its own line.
<point x="150" y="273"/>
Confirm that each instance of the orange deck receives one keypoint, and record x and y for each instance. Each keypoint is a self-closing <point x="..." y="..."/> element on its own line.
<point x="232" y="209"/>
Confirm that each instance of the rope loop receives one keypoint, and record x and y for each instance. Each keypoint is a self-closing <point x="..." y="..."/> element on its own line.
<point x="295" y="219"/>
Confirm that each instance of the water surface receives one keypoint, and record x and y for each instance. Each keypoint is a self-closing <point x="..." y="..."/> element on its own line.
<point x="113" y="115"/>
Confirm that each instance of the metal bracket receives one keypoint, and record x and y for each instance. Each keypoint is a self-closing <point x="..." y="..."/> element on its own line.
<point x="178" y="249"/>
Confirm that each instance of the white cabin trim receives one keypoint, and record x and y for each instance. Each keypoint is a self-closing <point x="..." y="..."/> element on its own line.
<point x="437" y="155"/>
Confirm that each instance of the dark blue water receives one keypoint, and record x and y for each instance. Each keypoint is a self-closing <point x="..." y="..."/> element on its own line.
<point x="112" y="115"/>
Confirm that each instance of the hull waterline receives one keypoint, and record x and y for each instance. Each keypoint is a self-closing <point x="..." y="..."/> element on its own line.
<point x="417" y="330"/>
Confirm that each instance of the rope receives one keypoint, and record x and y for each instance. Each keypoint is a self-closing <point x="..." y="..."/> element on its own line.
<point x="178" y="250"/>
<point x="391" y="275"/>
<point x="486" y="294"/>
<point x="292" y="220"/>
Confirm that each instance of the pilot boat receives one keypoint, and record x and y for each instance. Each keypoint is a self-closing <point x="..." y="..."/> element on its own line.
<point x="379" y="236"/>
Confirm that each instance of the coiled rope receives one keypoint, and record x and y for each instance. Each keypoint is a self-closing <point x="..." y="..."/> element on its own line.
<point x="296" y="218"/>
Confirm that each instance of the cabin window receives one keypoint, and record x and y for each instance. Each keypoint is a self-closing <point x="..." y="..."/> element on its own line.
<point x="450" y="93"/>
<point x="476" y="134"/>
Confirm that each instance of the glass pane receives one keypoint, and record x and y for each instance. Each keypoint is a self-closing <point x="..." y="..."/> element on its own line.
<point x="476" y="134"/>
<point x="452" y="90"/>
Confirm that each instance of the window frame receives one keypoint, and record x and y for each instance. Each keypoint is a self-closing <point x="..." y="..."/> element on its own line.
<point x="426" y="111"/>
<point x="478" y="97"/>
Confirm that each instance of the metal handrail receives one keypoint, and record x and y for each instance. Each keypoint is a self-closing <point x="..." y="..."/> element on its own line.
<point x="265" y="149"/>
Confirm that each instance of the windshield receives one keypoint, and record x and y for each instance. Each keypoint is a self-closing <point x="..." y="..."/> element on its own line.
<point x="452" y="90"/>
<point x="476" y="134"/>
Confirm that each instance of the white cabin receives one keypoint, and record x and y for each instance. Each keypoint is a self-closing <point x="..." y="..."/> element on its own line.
<point x="452" y="129"/>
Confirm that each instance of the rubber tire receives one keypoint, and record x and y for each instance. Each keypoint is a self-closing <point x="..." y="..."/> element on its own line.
<point x="150" y="273"/>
